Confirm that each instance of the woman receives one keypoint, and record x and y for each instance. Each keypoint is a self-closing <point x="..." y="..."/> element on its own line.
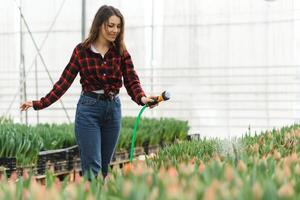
<point x="102" y="61"/>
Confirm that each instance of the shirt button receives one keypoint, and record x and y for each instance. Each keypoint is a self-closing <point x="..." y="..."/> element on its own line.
<point x="104" y="74"/>
<point x="104" y="62"/>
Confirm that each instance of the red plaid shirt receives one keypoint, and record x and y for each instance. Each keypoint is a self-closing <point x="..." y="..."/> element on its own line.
<point x="96" y="73"/>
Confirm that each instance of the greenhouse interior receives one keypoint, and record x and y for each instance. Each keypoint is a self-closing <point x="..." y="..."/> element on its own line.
<point x="200" y="99"/>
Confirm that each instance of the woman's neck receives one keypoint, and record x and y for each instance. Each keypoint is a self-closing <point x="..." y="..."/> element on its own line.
<point x="102" y="43"/>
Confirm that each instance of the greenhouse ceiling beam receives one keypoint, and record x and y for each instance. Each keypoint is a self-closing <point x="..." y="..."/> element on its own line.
<point x="38" y="54"/>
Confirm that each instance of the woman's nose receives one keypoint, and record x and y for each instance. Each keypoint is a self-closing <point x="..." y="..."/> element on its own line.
<point x="115" y="29"/>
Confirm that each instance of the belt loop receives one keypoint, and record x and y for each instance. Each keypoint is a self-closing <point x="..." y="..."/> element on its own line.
<point x="111" y="96"/>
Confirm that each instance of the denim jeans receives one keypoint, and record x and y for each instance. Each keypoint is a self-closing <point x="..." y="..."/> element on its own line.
<point x="97" y="129"/>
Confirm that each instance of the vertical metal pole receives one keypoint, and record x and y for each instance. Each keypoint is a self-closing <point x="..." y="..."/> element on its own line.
<point x="152" y="46"/>
<point x="22" y="66"/>
<point x="36" y="89"/>
<point x="21" y="63"/>
<point x="24" y="86"/>
<point x="20" y="71"/>
<point x="227" y="97"/>
<point x="83" y="19"/>
<point x="152" y="51"/>
<point x="268" y="33"/>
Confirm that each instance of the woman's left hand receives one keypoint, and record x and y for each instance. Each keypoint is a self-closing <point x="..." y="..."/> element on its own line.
<point x="26" y="105"/>
<point x="149" y="99"/>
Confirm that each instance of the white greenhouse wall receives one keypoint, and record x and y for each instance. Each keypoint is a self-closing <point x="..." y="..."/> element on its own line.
<point x="229" y="64"/>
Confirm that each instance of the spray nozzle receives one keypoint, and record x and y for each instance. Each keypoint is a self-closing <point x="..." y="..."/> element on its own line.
<point x="163" y="97"/>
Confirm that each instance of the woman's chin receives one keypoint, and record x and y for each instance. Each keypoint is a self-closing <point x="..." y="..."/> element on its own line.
<point x="111" y="39"/>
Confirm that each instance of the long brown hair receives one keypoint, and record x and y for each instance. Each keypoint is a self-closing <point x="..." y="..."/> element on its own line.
<point x="101" y="17"/>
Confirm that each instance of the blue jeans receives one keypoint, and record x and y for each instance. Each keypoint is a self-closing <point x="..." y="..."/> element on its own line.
<point x="97" y="129"/>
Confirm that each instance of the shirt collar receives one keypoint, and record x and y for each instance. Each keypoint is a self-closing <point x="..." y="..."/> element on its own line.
<point x="94" y="49"/>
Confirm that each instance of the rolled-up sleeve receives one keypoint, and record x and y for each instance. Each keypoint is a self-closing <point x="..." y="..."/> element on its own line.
<point x="131" y="79"/>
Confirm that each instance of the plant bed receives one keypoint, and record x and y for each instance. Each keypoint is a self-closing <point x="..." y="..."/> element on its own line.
<point x="265" y="166"/>
<point x="25" y="142"/>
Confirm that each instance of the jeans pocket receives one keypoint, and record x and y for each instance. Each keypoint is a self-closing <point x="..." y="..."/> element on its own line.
<point x="87" y="101"/>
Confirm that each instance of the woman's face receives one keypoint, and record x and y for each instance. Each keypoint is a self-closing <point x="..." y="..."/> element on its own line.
<point x="111" y="30"/>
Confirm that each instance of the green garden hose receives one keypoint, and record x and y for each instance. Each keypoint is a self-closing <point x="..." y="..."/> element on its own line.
<point x="163" y="97"/>
<point x="137" y="121"/>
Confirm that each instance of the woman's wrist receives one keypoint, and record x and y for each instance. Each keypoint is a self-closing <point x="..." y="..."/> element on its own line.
<point x="144" y="100"/>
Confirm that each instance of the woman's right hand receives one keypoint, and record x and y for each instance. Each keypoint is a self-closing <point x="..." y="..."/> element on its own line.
<point x="26" y="105"/>
<point x="150" y="99"/>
